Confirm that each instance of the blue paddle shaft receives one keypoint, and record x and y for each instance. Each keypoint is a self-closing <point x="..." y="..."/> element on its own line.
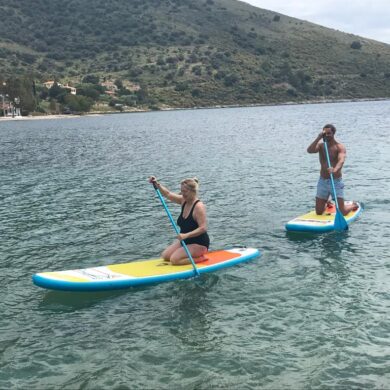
<point x="339" y="221"/>
<point x="176" y="228"/>
<point x="331" y="175"/>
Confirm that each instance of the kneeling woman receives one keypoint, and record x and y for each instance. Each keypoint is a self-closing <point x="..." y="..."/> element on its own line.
<point x="192" y="222"/>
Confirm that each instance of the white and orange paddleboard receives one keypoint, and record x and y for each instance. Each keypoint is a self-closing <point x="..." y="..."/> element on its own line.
<point x="118" y="276"/>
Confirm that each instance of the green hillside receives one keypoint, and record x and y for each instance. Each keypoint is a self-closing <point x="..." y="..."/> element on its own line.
<point x="185" y="53"/>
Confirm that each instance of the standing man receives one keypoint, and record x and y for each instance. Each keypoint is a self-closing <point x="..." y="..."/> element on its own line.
<point x="337" y="154"/>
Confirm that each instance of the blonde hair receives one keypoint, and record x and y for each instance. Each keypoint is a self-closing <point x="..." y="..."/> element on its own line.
<point x="192" y="184"/>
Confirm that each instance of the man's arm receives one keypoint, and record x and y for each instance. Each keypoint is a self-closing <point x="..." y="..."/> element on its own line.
<point x="314" y="147"/>
<point x="340" y="159"/>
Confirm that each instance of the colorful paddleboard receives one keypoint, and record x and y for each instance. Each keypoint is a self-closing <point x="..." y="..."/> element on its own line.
<point x="117" y="276"/>
<point x="311" y="222"/>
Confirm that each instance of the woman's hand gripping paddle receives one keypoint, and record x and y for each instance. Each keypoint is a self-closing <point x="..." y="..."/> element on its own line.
<point x="340" y="223"/>
<point x="196" y="272"/>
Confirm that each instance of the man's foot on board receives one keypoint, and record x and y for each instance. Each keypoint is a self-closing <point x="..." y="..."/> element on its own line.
<point x="329" y="202"/>
<point x="329" y="207"/>
<point x="355" y="206"/>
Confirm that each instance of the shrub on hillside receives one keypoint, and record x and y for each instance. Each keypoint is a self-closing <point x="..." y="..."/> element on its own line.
<point x="195" y="92"/>
<point x="180" y="87"/>
<point x="78" y="103"/>
<point x="88" y="91"/>
<point x="90" y="79"/>
<point x="56" y="90"/>
<point x="356" y="45"/>
<point x="197" y="70"/>
<point x="230" y="80"/>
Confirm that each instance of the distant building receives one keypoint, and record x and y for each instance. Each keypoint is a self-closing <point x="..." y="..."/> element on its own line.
<point x="49" y="84"/>
<point x="132" y="86"/>
<point x="4" y="108"/>
<point x="72" y="90"/>
<point x="8" y="109"/>
<point x="110" y="86"/>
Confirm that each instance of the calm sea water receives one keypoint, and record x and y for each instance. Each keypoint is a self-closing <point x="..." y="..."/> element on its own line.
<point x="311" y="312"/>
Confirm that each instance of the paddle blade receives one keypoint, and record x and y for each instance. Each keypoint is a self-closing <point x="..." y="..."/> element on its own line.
<point x="340" y="223"/>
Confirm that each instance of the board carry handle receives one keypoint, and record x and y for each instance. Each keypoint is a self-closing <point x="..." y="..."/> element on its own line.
<point x="340" y="222"/>
<point x="196" y="272"/>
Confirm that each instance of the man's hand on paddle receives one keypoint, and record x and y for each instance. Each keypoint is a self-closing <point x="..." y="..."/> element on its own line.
<point x="331" y="170"/>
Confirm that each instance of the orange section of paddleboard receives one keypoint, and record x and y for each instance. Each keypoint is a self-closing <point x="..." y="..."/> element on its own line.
<point x="218" y="257"/>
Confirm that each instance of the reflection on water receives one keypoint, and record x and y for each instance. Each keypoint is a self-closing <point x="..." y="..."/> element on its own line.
<point x="333" y="245"/>
<point x="70" y="301"/>
<point x="190" y="321"/>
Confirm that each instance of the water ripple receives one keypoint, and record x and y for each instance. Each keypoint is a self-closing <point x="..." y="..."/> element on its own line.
<point x="312" y="312"/>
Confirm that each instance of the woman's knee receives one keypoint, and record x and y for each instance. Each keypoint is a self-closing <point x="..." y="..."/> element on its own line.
<point x="167" y="252"/>
<point x="195" y="251"/>
<point x="165" y="255"/>
<point x="177" y="255"/>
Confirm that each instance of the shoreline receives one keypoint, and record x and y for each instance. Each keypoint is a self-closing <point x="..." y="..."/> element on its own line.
<point x="97" y="113"/>
<point x="49" y="116"/>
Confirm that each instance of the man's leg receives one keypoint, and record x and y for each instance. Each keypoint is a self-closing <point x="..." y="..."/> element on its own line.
<point x="320" y="206"/>
<point x="322" y="196"/>
<point x="345" y="209"/>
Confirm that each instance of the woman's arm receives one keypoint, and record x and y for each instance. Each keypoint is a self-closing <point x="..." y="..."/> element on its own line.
<point x="176" y="198"/>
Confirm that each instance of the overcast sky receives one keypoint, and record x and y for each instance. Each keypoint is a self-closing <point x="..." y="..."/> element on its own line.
<point x="367" y="18"/>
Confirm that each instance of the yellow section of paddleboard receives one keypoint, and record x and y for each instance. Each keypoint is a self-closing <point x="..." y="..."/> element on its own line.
<point x="136" y="269"/>
<point x="313" y="216"/>
<point x="148" y="268"/>
<point x="327" y="217"/>
<point x="140" y="268"/>
<point x="62" y="275"/>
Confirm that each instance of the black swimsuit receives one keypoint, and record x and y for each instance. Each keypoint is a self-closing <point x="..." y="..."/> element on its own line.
<point x="188" y="225"/>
